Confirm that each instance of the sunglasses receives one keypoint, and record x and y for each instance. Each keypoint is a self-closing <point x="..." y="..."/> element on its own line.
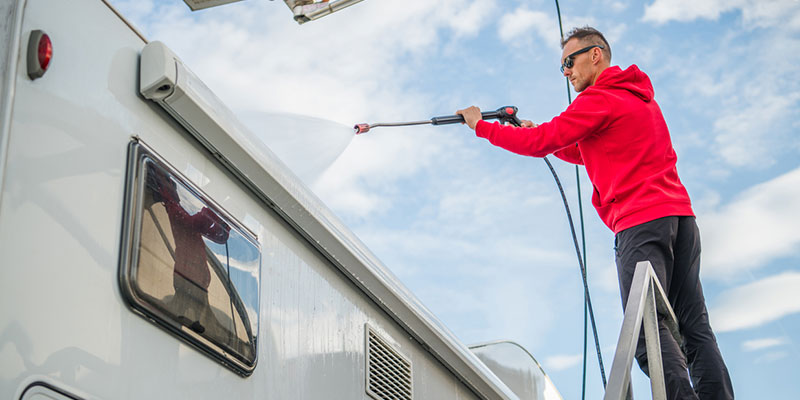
<point x="569" y="61"/>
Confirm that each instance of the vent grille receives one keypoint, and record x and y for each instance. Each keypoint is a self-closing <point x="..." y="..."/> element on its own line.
<point x="388" y="372"/>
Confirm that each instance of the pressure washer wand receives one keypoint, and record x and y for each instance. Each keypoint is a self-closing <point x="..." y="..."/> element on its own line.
<point x="507" y="114"/>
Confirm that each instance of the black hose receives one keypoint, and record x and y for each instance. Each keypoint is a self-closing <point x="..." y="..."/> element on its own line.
<point x="582" y="261"/>
<point x="583" y="271"/>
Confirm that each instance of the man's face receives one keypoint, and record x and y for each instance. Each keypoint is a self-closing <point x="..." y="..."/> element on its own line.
<point x="580" y="75"/>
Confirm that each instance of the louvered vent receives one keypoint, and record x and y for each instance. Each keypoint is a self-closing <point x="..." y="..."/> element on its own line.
<point x="388" y="372"/>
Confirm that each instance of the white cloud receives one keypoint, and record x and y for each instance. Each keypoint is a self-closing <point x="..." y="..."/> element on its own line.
<point x="742" y="134"/>
<point x="618" y="6"/>
<point x="775" y="13"/>
<point x="521" y="22"/>
<point x="752" y="105"/>
<point x="562" y="362"/>
<point x="662" y="11"/>
<point x="757" y="303"/>
<point x="524" y="28"/>
<point x="469" y="21"/>
<point x="520" y="26"/>
<point x="755" y="13"/>
<point x="574" y="21"/>
<point x="758" y="226"/>
<point x="772" y="356"/>
<point x="765" y="343"/>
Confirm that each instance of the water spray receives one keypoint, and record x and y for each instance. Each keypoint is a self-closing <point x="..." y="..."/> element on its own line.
<point x="506" y="115"/>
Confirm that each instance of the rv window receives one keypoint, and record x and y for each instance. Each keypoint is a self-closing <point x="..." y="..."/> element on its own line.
<point x="191" y="267"/>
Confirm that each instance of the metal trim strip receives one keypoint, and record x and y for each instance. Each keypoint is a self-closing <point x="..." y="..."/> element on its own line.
<point x="9" y="83"/>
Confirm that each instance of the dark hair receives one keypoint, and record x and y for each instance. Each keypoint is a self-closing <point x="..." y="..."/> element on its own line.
<point x="588" y="36"/>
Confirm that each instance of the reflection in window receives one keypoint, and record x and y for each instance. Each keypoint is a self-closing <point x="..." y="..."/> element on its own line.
<point x="193" y="267"/>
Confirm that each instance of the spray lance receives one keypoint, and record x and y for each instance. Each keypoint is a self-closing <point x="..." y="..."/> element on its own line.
<point x="506" y="115"/>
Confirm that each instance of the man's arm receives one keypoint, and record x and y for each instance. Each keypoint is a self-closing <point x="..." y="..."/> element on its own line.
<point x="585" y="116"/>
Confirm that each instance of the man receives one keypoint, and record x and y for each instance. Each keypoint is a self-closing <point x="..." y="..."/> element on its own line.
<point x="615" y="128"/>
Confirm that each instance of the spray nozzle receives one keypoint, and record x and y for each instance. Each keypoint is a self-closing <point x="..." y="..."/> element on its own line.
<point x="361" y="128"/>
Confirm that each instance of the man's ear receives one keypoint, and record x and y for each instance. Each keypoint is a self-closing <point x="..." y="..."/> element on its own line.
<point x="596" y="55"/>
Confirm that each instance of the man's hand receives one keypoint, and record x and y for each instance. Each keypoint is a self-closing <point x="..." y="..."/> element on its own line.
<point x="528" y="124"/>
<point x="471" y="115"/>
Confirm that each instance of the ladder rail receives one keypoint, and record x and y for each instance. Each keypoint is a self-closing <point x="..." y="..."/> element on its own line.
<point x="646" y="300"/>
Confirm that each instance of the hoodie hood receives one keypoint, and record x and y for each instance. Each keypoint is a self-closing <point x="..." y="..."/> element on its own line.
<point x="631" y="79"/>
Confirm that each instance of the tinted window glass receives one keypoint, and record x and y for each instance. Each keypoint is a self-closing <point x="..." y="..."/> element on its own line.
<point x="191" y="266"/>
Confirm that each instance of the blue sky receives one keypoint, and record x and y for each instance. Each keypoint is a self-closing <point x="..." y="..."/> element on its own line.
<point x="479" y="234"/>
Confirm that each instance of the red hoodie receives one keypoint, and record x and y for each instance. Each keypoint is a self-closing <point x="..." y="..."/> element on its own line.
<point x="616" y="129"/>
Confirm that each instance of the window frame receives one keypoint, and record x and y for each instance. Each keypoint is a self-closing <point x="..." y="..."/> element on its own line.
<point x="138" y="155"/>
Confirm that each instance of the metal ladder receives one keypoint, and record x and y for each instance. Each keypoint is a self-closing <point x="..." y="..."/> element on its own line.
<point x="646" y="298"/>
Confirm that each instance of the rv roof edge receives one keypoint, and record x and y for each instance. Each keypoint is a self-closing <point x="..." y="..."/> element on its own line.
<point x="195" y="107"/>
<point x="125" y="20"/>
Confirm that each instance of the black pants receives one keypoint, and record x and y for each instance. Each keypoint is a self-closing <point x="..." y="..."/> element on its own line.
<point x="672" y="245"/>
